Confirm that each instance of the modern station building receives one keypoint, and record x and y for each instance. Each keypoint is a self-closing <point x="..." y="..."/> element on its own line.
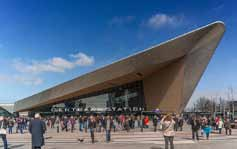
<point x="163" y="76"/>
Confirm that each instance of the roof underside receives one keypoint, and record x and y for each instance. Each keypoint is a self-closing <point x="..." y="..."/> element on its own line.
<point x="130" y="69"/>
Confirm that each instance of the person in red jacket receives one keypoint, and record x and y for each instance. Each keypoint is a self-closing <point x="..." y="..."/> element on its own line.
<point x="146" y="122"/>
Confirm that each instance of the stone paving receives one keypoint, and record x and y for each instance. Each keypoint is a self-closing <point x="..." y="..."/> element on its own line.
<point x="124" y="140"/>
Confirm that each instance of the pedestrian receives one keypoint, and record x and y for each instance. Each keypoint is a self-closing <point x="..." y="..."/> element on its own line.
<point x="80" y="121"/>
<point x="227" y="126"/>
<point x="168" y="131"/>
<point x="176" y="125"/>
<point x="155" y="121"/>
<point x="114" y="123"/>
<point x="85" y="119"/>
<point x="195" y="126"/>
<point x="10" y="125"/>
<point x="181" y="123"/>
<point x="146" y="122"/>
<point x="37" y="129"/>
<point x="109" y="124"/>
<point x="72" y="123"/>
<point x="207" y="128"/>
<point x="3" y="131"/>
<point x="65" y="123"/>
<point x="92" y="127"/>
<point x="57" y="122"/>
<point x="220" y="125"/>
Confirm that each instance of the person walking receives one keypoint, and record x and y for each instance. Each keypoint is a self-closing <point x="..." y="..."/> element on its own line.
<point x="220" y="125"/>
<point x="195" y="126"/>
<point x="37" y="128"/>
<point x="3" y="131"/>
<point x="10" y="125"/>
<point x="72" y="123"/>
<point x="207" y="128"/>
<point x="92" y="127"/>
<point x="57" y="122"/>
<point x="181" y="123"/>
<point x="176" y="125"/>
<point x="146" y="122"/>
<point x="109" y="124"/>
<point x="227" y="126"/>
<point x="155" y="121"/>
<point x="168" y="131"/>
<point x="80" y="121"/>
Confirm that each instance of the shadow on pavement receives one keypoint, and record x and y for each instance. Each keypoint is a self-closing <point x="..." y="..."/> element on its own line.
<point x="16" y="146"/>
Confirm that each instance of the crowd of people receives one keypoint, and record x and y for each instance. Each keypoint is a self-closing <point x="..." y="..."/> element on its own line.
<point x="168" y="124"/>
<point x="206" y="125"/>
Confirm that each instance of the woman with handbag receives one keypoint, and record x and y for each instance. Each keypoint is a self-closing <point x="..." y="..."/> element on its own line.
<point x="168" y="123"/>
<point x="3" y="131"/>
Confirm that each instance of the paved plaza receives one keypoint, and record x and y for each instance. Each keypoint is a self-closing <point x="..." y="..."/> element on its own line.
<point x="124" y="140"/>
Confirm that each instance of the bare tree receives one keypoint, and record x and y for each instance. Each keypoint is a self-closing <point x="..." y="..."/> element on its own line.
<point x="204" y="104"/>
<point x="230" y="97"/>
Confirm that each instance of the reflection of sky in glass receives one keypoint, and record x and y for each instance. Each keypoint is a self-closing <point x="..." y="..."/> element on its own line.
<point x="96" y="101"/>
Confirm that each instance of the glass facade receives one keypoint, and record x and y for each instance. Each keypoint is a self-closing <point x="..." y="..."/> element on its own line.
<point x="4" y="112"/>
<point x="128" y="97"/>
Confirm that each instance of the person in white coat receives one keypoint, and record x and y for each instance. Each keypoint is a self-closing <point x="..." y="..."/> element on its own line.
<point x="168" y="123"/>
<point x="220" y="125"/>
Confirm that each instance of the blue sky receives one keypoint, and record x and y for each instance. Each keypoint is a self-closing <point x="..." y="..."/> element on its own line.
<point x="44" y="43"/>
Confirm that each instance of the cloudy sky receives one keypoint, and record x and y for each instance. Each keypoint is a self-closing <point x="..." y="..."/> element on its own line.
<point x="44" y="43"/>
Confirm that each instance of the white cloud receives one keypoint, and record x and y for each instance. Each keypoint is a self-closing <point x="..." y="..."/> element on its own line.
<point x="55" y="64"/>
<point x="82" y="59"/>
<point x="160" y="20"/>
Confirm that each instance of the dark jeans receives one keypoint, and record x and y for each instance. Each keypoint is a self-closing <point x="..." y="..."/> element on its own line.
<point x="92" y="135"/>
<point x="228" y="130"/>
<point x="107" y="135"/>
<point x="195" y="133"/>
<point x="169" y="139"/>
<point x="220" y="130"/>
<point x="81" y="127"/>
<point x="176" y="127"/>
<point x="207" y="135"/>
<point x="10" y="129"/>
<point x="72" y="128"/>
<point x="4" y="140"/>
<point x="155" y="128"/>
<point x="36" y="147"/>
<point x="19" y="127"/>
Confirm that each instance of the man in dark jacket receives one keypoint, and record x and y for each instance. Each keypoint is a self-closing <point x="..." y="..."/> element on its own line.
<point x="37" y="129"/>
<point x="195" y="125"/>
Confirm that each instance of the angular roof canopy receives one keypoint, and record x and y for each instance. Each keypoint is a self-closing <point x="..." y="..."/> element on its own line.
<point x="138" y="66"/>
